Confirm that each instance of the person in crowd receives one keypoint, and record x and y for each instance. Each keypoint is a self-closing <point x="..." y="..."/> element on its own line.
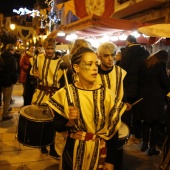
<point x="112" y="77"/>
<point x="8" y="76"/>
<point x="17" y="55"/>
<point x="153" y="87"/>
<point x="39" y="49"/>
<point x="165" y="155"/>
<point x="131" y="61"/>
<point x="90" y="114"/>
<point x="118" y="56"/>
<point x="67" y="57"/>
<point x="73" y="48"/>
<point x="50" y="79"/>
<point x="24" y="65"/>
<point x="0" y="96"/>
<point x="77" y="44"/>
<point x="31" y="81"/>
<point x="1" y="67"/>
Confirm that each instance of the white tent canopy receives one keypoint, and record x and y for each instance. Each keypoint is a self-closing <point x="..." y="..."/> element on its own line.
<point x="156" y="30"/>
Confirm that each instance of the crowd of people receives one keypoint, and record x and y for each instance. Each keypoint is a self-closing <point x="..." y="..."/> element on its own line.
<point x="92" y="95"/>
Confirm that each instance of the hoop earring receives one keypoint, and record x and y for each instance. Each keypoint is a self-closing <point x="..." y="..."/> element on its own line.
<point x="75" y="77"/>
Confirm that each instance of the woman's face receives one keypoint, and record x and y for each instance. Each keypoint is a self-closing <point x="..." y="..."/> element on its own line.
<point x="87" y="69"/>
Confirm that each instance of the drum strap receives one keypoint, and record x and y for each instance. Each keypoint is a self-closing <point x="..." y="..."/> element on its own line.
<point x="48" y="89"/>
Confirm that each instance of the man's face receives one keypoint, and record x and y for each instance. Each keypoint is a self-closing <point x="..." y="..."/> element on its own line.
<point x="12" y="51"/>
<point x="49" y="50"/>
<point x="107" y="60"/>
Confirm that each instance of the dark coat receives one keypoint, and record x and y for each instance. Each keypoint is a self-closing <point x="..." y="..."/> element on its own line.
<point x="1" y="63"/>
<point x="153" y="89"/>
<point x="8" y="75"/>
<point x="132" y="60"/>
<point x="167" y="119"/>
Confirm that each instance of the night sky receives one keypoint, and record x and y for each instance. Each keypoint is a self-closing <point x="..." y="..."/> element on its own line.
<point x="6" y="6"/>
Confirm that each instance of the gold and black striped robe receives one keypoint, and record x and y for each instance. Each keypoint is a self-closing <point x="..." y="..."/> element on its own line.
<point x="50" y="75"/>
<point x="112" y="79"/>
<point x="99" y="114"/>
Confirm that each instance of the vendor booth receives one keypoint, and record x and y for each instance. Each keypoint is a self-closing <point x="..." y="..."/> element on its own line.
<point x="95" y="26"/>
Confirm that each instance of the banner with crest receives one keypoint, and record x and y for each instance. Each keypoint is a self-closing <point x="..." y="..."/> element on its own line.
<point x="84" y="8"/>
<point x="25" y="32"/>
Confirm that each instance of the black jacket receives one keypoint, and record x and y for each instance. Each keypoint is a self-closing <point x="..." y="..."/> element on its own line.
<point x="132" y="61"/>
<point x="153" y="89"/>
<point x="8" y="74"/>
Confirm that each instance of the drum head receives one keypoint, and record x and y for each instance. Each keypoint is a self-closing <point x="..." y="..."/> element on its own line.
<point x="38" y="113"/>
<point x="123" y="131"/>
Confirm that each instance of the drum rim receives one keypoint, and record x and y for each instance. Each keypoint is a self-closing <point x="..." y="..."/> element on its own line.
<point x="32" y="118"/>
<point x="125" y="137"/>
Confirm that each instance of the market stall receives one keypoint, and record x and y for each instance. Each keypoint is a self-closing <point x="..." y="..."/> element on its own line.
<point x="96" y="25"/>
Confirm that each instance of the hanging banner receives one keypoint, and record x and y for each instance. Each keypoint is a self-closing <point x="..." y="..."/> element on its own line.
<point x="85" y="8"/>
<point x="68" y="6"/>
<point x="41" y="31"/>
<point x="25" y="32"/>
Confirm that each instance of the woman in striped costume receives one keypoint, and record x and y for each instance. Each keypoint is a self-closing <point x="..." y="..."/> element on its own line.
<point x="91" y="114"/>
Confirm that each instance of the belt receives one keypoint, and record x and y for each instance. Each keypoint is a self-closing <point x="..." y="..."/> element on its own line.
<point x="80" y="135"/>
<point x="47" y="89"/>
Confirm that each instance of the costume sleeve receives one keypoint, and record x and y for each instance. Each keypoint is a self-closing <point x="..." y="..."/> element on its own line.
<point x="112" y="146"/>
<point x="60" y="122"/>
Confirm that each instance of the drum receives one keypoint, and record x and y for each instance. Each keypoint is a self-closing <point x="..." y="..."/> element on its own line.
<point x="123" y="134"/>
<point x="35" y="127"/>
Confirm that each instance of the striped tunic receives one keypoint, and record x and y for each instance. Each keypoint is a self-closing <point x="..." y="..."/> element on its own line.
<point x="113" y="79"/>
<point x="50" y="75"/>
<point x="99" y="115"/>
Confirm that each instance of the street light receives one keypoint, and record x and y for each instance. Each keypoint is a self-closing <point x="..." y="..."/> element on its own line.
<point x="12" y="26"/>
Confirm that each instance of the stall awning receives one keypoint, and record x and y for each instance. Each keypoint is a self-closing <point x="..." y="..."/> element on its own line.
<point x="98" y="26"/>
<point x="156" y="30"/>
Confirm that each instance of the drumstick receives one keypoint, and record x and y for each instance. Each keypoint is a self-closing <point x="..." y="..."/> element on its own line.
<point x="136" y="102"/>
<point x="63" y="67"/>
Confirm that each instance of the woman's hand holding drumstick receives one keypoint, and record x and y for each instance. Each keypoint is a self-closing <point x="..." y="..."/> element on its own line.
<point x="73" y="111"/>
<point x="73" y="115"/>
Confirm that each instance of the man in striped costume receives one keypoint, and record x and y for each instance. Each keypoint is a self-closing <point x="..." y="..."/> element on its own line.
<point x="111" y="76"/>
<point x="50" y="79"/>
